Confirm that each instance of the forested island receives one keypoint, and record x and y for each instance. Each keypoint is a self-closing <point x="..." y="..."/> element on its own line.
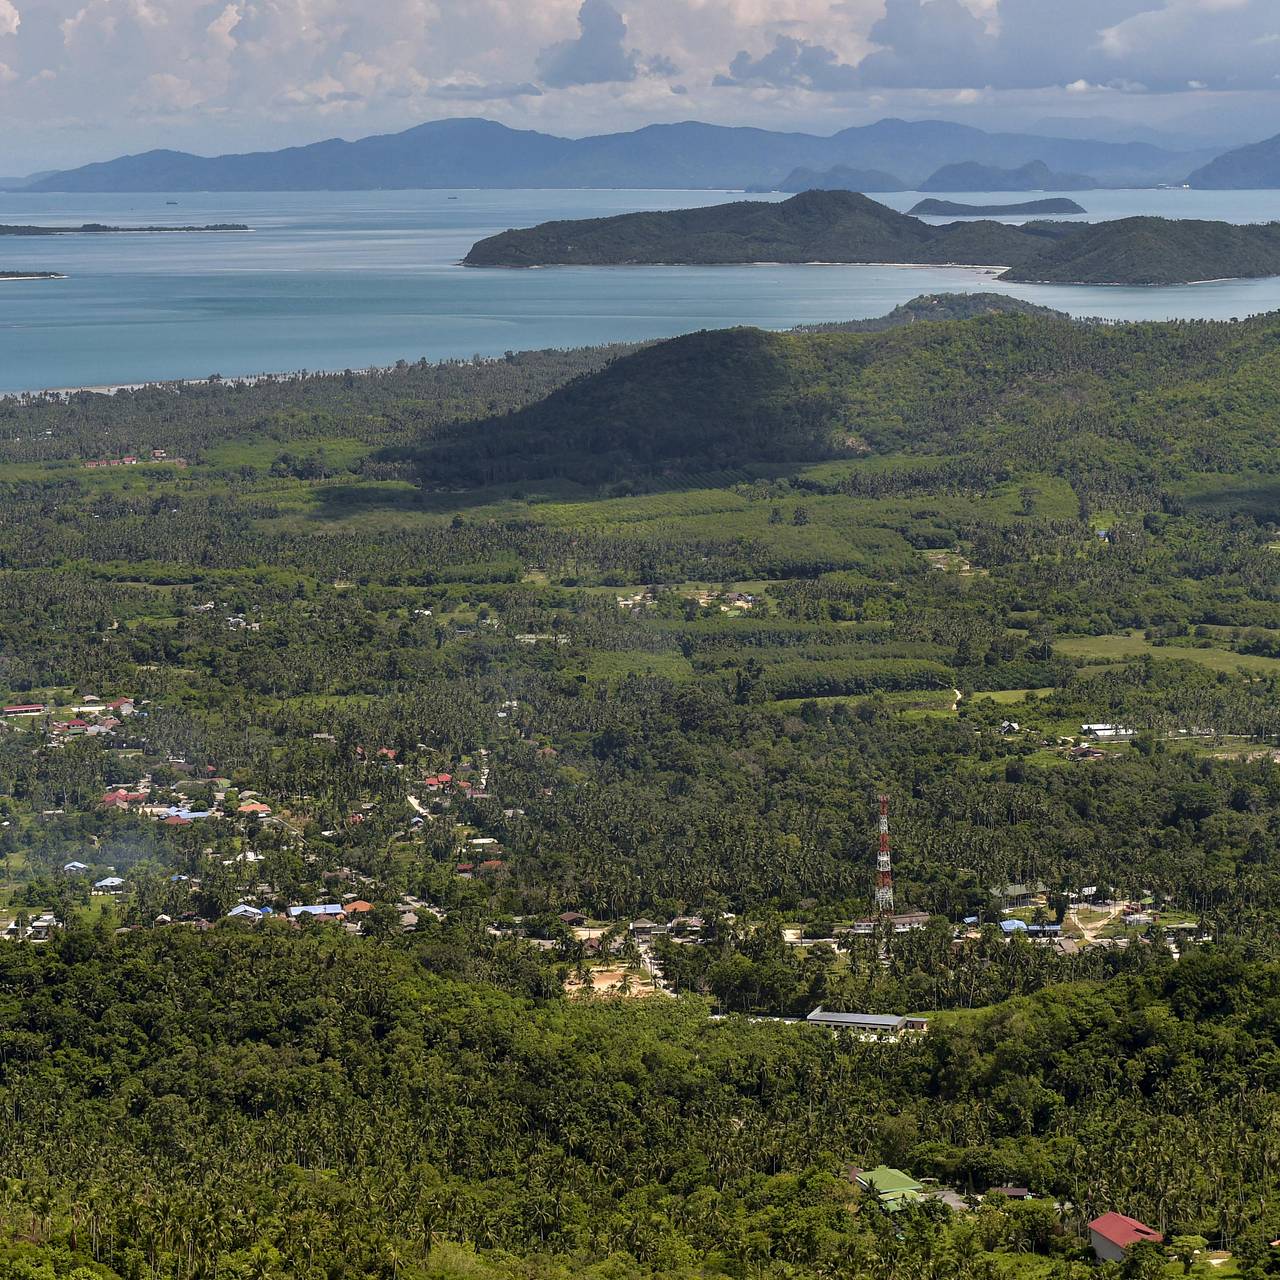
<point x="952" y="209"/>
<point x="840" y="226"/>
<point x="424" y="794"/>
<point x="1035" y="176"/>
<point x="29" y="275"/>
<point x="98" y="228"/>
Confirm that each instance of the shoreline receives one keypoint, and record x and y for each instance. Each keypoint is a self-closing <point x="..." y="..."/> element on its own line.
<point x="33" y="275"/>
<point x="986" y="269"/>
<point x="983" y="268"/>
<point x="179" y="384"/>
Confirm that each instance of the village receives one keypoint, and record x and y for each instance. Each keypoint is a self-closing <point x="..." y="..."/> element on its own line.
<point x="608" y="959"/>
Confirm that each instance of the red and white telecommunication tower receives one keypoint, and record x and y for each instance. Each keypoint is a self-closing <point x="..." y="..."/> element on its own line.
<point x="884" y="867"/>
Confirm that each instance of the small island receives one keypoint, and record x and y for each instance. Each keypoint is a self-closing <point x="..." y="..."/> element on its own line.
<point x="1028" y="209"/>
<point x="844" y="227"/>
<point x="98" y="228"/>
<point x="30" y="275"/>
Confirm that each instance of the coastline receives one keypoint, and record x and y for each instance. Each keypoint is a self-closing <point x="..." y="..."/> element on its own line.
<point x="179" y="384"/>
<point x="984" y="268"/>
<point x="33" y="275"/>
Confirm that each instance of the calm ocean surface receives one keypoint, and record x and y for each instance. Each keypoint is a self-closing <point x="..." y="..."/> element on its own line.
<point x="332" y="280"/>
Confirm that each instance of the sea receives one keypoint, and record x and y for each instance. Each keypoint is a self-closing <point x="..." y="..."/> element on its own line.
<point x="352" y="280"/>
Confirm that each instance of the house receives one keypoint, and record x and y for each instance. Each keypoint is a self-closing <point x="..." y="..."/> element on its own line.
<point x="1043" y="931"/>
<point x="1019" y="895"/>
<point x="38" y="929"/>
<point x="42" y="927"/>
<point x="891" y="1187"/>
<point x="75" y="868"/>
<point x="1010" y="1193"/>
<point x="320" y="911"/>
<point x="254" y="806"/>
<point x="643" y="930"/>
<point x="574" y="919"/>
<point x="120" y="798"/>
<point x="869" y="1026"/>
<point x="1107" y="732"/>
<point x="359" y="907"/>
<point x="686" y="925"/>
<point x="109" y="884"/>
<point x="253" y="915"/>
<point x="1111" y="1234"/>
<point x="1010" y="927"/>
<point x="24" y="709"/>
<point x="904" y="922"/>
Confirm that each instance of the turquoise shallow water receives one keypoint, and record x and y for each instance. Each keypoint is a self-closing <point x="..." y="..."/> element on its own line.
<point x="331" y="280"/>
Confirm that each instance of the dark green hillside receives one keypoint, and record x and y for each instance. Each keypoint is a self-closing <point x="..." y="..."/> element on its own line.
<point x="954" y="209"/>
<point x="723" y="398"/>
<point x="842" y="226"/>
<point x="1082" y="398"/>
<point x="1255" y="167"/>
<point x="938" y="306"/>
<point x="841" y="177"/>
<point x="816" y="226"/>
<point x="1157" y="251"/>
<point x="1036" y="176"/>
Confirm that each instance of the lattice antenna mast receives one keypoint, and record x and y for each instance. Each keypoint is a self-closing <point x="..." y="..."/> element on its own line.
<point x="884" y="867"/>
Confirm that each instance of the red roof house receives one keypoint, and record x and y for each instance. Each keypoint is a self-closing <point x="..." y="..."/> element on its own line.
<point x="121" y="799"/>
<point x="1113" y="1233"/>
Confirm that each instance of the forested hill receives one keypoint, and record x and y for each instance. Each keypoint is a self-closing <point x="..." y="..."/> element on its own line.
<point x="843" y="226"/>
<point x="1255" y="167"/>
<point x="954" y="209"/>
<point x="1036" y="176"/>
<point x="935" y="307"/>
<point x="1074" y="397"/>
<point x="815" y="226"/>
<point x="1156" y="251"/>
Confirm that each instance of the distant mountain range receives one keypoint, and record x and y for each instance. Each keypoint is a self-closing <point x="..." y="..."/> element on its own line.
<point x="843" y="226"/>
<point x="482" y="153"/>
<point x="1255" y="167"/>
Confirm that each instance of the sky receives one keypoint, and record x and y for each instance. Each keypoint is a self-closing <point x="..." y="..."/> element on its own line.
<point x="89" y="79"/>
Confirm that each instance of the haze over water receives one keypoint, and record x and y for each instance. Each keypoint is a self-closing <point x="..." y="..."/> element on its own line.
<point x="332" y="280"/>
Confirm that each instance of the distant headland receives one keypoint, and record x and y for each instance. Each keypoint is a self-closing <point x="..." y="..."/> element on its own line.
<point x="1028" y="208"/>
<point x="98" y="228"/>
<point x="842" y="226"/>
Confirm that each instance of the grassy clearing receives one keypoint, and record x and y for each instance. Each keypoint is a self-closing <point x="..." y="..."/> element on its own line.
<point x="617" y="665"/>
<point x="1010" y="697"/>
<point x="1132" y="644"/>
